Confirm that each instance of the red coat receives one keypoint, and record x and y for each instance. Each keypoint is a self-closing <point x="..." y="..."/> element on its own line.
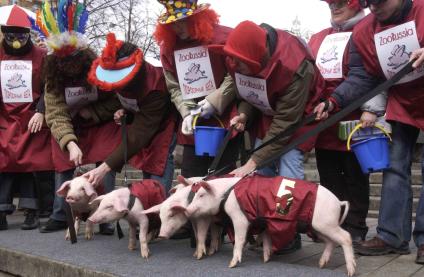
<point x="328" y="139"/>
<point x="279" y="72"/>
<point x="257" y="197"/>
<point x="150" y="193"/>
<point x="152" y="159"/>
<point x="218" y="68"/>
<point x="21" y="151"/>
<point x="405" y="100"/>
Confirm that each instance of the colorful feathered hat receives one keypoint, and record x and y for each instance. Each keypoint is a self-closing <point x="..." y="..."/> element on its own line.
<point x="110" y="73"/>
<point x="179" y="9"/>
<point x="64" y="29"/>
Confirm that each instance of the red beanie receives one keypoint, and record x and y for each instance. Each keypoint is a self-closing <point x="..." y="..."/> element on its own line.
<point x="247" y="42"/>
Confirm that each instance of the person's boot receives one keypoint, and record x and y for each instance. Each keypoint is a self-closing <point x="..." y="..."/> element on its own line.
<point x="3" y="221"/>
<point x="293" y="246"/>
<point x="31" y="220"/>
<point x="106" y="229"/>
<point x="53" y="226"/>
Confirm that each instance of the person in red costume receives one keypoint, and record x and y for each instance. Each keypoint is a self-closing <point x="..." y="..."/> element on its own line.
<point x="24" y="137"/>
<point x="276" y="78"/>
<point x="79" y="117"/>
<point x="197" y="79"/>
<point x="338" y="168"/>
<point x="143" y="96"/>
<point x="382" y="43"/>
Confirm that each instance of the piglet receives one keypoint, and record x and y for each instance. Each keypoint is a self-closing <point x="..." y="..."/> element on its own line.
<point x="173" y="217"/>
<point x="78" y="193"/>
<point x="278" y="205"/>
<point x="117" y="204"/>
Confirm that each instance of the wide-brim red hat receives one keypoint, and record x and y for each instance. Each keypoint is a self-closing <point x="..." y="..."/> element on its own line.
<point x="108" y="73"/>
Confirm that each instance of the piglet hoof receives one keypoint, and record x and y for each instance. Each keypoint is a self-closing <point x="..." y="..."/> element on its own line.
<point x="145" y="252"/>
<point x="212" y="251"/>
<point x="233" y="263"/>
<point x="267" y="257"/>
<point x="351" y="268"/>
<point x="132" y="247"/>
<point x="89" y="235"/>
<point x="67" y="235"/>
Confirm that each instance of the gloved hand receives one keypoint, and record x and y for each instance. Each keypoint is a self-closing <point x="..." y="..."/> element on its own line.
<point x="187" y="126"/>
<point x="206" y="108"/>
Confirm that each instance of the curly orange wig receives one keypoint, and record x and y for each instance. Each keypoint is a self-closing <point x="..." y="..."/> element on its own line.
<point x="200" y="26"/>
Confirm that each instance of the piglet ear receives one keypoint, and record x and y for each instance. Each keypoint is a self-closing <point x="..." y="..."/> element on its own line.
<point x="63" y="190"/>
<point x="152" y="210"/>
<point x="183" y="180"/>
<point x="97" y="201"/>
<point x="177" y="208"/>
<point x="120" y="205"/>
<point x="206" y="186"/>
<point x="89" y="190"/>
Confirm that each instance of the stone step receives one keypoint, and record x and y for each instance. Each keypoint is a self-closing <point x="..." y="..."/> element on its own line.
<point x="375" y="203"/>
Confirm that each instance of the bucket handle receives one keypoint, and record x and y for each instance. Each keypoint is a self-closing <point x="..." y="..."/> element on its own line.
<point x="197" y="116"/>
<point x="359" y="126"/>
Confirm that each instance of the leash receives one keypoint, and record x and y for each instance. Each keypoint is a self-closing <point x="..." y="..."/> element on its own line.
<point x="220" y="151"/>
<point x="124" y="121"/>
<point x="322" y="125"/>
<point x="341" y="114"/>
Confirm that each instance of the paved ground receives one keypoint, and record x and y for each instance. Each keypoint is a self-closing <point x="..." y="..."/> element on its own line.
<point x="108" y="256"/>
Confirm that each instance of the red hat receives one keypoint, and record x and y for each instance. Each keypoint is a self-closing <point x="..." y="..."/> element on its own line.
<point x="110" y="73"/>
<point x="17" y="18"/>
<point x="352" y="4"/>
<point x="247" y="42"/>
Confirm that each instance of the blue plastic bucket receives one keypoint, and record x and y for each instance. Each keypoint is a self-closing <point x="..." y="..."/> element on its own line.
<point x="207" y="140"/>
<point x="372" y="154"/>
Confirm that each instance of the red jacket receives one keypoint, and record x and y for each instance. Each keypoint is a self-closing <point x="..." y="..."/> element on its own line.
<point x="257" y="197"/>
<point x="150" y="193"/>
<point x="218" y="68"/>
<point x="404" y="100"/>
<point x="328" y="139"/>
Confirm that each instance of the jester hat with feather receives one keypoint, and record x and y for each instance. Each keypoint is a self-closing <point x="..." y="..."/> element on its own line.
<point x="63" y="29"/>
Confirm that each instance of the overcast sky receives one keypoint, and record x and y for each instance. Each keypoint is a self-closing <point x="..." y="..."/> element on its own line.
<point x="313" y="14"/>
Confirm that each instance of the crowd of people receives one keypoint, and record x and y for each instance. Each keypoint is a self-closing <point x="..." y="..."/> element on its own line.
<point x="64" y="107"/>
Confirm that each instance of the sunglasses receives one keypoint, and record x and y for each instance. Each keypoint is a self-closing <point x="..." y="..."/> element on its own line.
<point x="22" y="37"/>
<point x="367" y="3"/>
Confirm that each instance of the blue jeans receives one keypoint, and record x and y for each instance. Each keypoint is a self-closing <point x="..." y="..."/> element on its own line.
<point x="395" y="215"/>
<point x="289" y="165"/>
<point x="61" y="177"/>
<point x="168" y="174"/>
<point x="419" y="218"/>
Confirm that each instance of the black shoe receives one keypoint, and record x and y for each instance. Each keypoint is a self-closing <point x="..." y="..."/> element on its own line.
<point x="53" y="226"/>
<point x="3" y="221"/>
<point x="31" y="220"/>
<point x="106" y="229"/>
<point x="293" y="246"/>
<point x="44" y="213"/>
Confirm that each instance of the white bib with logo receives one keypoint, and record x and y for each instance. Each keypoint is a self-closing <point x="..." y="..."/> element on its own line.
<point x="78" y="97"/>
<point x="254" y="91"/>
<point x="194" y="72"/>
<point x="16" y="81"/>
<point x="128" y="103"/>
<point x="394" y="48"/>
<point x="330" y="55"/>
